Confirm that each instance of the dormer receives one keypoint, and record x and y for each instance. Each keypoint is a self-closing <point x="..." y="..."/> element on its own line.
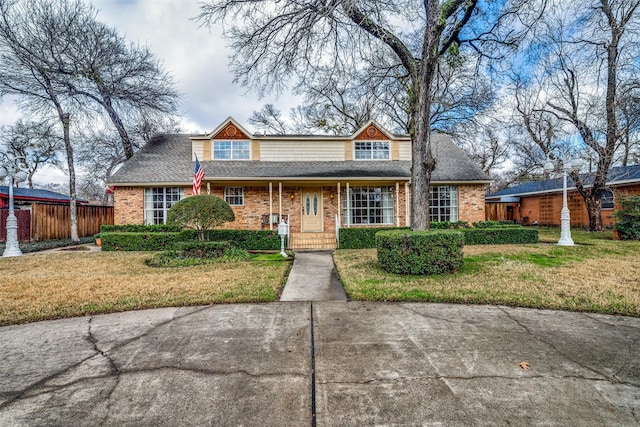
<point x="229" y="141"/>
<point x="371" y="142"/>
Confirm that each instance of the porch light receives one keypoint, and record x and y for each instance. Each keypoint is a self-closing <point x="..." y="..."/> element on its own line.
<point x="15" y="175"/>
<point x="565" y="219"/>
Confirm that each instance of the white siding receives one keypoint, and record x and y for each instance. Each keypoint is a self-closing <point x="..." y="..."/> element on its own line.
<point x="197" y="148"/>
<point x="287" y="151"/>
<point x="404" y="150"/>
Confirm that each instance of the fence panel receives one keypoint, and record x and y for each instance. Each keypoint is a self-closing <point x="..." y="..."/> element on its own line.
<point x="24" y="224"/>
<point x="54" y="221"/>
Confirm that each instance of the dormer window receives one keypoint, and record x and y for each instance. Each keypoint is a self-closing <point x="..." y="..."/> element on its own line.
<point x="371" y="150"/>
<point x="231" y="150"/>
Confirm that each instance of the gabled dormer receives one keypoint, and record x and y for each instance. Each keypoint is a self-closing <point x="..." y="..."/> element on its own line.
<point x="229" y="141"/>
<point x="372" y="142"/>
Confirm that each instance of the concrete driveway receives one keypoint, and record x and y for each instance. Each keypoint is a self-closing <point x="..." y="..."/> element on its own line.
<point x="327" y="363"/>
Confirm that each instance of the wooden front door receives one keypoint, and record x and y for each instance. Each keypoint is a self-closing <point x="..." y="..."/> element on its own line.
<point x="312" y="209"/>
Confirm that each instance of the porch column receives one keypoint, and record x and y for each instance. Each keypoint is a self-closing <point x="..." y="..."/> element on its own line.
<point x="271" y="206"/>
<point x="407" y="212"/>
<point x="280" y="203"/>
<point x="397" y="207"/>
<point x="339" y="204"/>
<point x="347" y="220"/>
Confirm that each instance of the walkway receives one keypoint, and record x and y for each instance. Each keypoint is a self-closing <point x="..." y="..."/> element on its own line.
<point x="313" y="278"/>
<point x="324" y="364"/>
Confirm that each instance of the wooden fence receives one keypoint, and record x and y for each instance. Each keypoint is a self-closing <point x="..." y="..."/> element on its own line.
<point x="24" y="224"/>
<point x="54" y="222"/>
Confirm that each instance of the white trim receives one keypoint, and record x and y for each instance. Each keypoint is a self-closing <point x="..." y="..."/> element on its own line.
<point x="271" y="206"/>
<point x="397" y="212"/>
<point x="407" y="216"/>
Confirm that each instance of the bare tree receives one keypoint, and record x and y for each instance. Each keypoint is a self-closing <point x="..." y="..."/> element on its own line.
<point x="38" y="143"/>
<point x="275" y="41"/>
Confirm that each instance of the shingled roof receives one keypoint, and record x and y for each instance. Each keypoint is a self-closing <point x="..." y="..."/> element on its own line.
<point x="166" y="159"/>
<point x="36" y="195"/>
<point x="617" y="176"/>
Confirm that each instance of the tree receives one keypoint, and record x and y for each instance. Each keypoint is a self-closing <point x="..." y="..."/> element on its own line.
<point x="403" y="42"/>
<point x="202" y="213"/>
<point x="33" y="40"/>
<point x="37" y="143"/>
<point x="585" y="56"/>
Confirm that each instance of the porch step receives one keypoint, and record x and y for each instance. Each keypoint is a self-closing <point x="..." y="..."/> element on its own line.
<point x="313" y="241"/>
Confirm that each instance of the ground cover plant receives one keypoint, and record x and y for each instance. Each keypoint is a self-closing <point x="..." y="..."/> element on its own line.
<point x="64" y="284"/>
<point x="599" y="275"/>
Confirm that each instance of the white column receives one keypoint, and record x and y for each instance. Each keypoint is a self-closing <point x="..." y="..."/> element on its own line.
<point x="339" y="204"/>
<point x="565" y="217"/>
<point x="347" y="220"/>
<point x="280" y="201"/>
<point x="407" y="211"/>
<point x="397" y="207"/>
<point x="271" y="206"/>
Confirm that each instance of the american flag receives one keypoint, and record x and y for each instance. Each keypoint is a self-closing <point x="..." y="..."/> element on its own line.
<point x="198" y="176"/>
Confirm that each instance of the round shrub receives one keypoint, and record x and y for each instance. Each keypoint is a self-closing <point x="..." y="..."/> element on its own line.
<point x="202" y="213"/>
<point x="419" y="252"/>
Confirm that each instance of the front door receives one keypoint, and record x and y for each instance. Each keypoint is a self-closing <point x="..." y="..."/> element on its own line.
<point x="312" y="209"/>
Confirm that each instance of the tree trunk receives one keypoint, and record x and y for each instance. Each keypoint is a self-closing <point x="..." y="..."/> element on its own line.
<point x="115" y="119"/>
<point x="595" y="214"/>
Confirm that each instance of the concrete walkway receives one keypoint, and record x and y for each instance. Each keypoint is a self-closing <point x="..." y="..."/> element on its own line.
<point x="323" y="363"/>
<point x="313" y="278"/>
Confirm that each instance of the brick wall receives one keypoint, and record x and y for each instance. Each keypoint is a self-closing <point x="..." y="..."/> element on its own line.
<point x="128" y="205"/>
<point x="471" y="203"/>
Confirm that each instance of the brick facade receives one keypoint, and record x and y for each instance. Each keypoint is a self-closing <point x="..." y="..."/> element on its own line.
<point x="471" y="203"/>
<point x="128" y="205"/>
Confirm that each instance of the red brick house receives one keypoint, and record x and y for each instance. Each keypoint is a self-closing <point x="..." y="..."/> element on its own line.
<point x="540" y="202"/>
<point x="317" y="183"/>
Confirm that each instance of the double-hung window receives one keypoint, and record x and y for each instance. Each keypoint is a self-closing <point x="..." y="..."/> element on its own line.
<point x="158" y="200"/>
<point x="443" y="203"/>
<point x="234" y="196"/>
<point x="369" y="205"/>
<point x="231" y="150"/>
<point x="371" y="150"/>
<point x="606" y="201"/>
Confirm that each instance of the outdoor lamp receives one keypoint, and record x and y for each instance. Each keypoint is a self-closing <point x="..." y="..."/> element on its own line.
<point x="15" y="175"/>
<point x="565" y="219"/>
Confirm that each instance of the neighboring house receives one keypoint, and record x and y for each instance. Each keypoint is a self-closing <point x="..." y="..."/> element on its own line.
<point x="317" y="183"/>
<point x="540" y="202"/>
<point x="23" y="198"/>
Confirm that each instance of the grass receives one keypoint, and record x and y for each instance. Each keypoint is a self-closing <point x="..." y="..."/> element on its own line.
<point x="599" y="275"/>
<point x="75" y="283"/>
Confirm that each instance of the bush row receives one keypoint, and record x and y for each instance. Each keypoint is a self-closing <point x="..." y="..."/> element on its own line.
<point x="140" y="228"/>
<point x="27" y="247"/>
<point x="361" y="238"/>
<point x="420" y="252"/>
<point x="251" y="240"/>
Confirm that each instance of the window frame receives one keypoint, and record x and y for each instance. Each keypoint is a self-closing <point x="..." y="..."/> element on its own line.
<point x="610" y="204"/>
<point x="232" y="199"/>
<point x="361" y="206"/>
<point x="156" y="213"/>
<point x="234" y="152"/>
<point x="444" y="204"/>
<point x="371" y="149"/>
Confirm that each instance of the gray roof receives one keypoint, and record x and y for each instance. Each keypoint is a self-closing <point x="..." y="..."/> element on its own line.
<point x="167" y="159"/>
<point x="36" y="194"/>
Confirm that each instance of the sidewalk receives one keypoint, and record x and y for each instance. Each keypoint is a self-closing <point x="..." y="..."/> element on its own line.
<point x="313" y="278"/>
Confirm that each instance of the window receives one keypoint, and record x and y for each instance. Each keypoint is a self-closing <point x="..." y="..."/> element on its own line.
<point x="443" y="203"/>
<point x="606" y="201"/>
<point x="157" y="202"/>
<point x="234" y="196"/>
<point x="370" y="150"/>
<point x="369" y="205"/>
<point x="231" y="150"/>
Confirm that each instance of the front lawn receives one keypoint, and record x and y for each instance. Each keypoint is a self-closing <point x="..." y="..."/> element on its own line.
<point x="599" y="275"/>
<point x="64" y="284"/>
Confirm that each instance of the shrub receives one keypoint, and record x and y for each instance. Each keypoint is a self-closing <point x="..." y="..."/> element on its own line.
<point x="256" y="240"/>
<point x="448" y="225"/>
<point x="140" y="228"/>
<point x="202" y="213"/>
<point x="116" y="241"/>
<point x="419" y="252"/>
<point x="628" y="218"/>
<point x="361" y="237"/>
<point x="495" y="224"/>
<point x="497" y="236"/>
<point x="197" y="249"/>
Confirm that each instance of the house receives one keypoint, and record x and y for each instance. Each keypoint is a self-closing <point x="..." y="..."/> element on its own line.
<point x="23" y="198"/>
<point x="315" y="183"/>
<point x="541" y="201"/>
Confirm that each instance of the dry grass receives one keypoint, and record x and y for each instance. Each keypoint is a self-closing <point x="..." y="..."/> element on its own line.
<point x="46" y="286"/>
<point x="598" y="276"/>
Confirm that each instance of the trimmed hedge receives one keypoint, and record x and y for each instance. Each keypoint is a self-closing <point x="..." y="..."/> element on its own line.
<point x="140" y="228"/>
<point x="628" y="218"/>
<point x="117" y="241"/>
<point x="499" y="236"/>
<point x="363" y="238"/>
<point x="420" y="252"/>
<point x="495" y="224"/>
<point x="251" y="240"/>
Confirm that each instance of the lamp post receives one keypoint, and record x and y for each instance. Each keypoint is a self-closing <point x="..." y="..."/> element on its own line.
<point x="15" y="175"/>
<point x="565" y="217"/>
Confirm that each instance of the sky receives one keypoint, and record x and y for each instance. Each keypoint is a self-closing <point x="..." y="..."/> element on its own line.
<point x="196" y="57"/>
